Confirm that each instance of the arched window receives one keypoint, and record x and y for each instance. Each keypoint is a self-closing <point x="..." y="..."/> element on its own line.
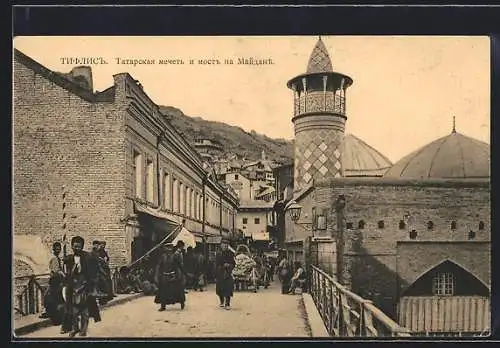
<point x="443" y="284"/>
<point x="430" y="225"/>
<point x="472" y="235"/>
<point x="481" y="225"/>
<point x="381" y="224"/>
<point x="361" y="224"/>
<point x="402" y="224"/>
<point x="453" y="225"/>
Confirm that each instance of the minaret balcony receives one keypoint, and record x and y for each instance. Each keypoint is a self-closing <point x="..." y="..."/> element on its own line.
<point x="320" y="102"/>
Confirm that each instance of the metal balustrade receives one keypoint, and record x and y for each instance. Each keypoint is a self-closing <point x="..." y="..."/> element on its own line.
<point x="29" y="292"/>
<point x="346" y="314"/>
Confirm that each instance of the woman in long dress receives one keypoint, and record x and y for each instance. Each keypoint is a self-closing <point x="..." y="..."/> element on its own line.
<point x="224" y="263"/>
<point x="169" y="279"/>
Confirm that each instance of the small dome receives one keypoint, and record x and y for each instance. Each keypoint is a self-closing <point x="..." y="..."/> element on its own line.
<point x="319" y="61"/>
<point x="452" y="156"/>
<point x="360" y="159"/>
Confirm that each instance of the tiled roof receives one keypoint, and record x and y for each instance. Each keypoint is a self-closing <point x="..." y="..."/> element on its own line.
<point x="319" y="61"/>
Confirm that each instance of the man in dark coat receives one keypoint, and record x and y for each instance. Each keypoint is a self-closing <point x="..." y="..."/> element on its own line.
<point x="190" y="268"/>
<point x="224" y="263"/>
<point x="199" y="269"/>
<point x="168" y="276"/>
<point x="181" y="254"/>
<point x="80" y="282"/>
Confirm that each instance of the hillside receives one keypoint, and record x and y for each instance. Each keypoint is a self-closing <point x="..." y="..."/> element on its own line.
<point x="234" y="139"/>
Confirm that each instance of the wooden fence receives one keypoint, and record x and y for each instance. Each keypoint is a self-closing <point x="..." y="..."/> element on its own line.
<point x="445" y="315"/>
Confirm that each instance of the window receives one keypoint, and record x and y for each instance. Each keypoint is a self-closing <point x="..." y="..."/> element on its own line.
<point x="349" y="225"/>
<point x="138" y="174"/>
<point x="361" y="224"/>
<point x="245" y="221"/>
<point x="430" y="225"/>
<point x="166" y="191"/>
<point x="443" y="284"/>
<point x="413" y="234"/>
<point x="193" y="203"/>
<point x="402" y="225"/>
<point x="472" y="235"/>
<point x="182" y="202"/>
<point x="453" y="225"/>
<point x="481" y="225"/>
<point x="256" y="221"/>
<point x="175" y="196"/>
<point x="185" y="197"/>
<point x="236" y="176"/>
<point x="200" y="208"/>
<point x="150" y="176"/>
<point x="381" y="224"/>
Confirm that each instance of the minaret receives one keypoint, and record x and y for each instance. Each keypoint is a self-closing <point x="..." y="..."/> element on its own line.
<point x="319" y="119"/>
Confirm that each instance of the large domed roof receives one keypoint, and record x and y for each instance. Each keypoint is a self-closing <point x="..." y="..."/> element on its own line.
<point x="360" y="159"/>
<point x="452" y="156"/>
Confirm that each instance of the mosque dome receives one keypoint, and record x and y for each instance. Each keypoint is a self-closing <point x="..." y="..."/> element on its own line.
<point x="319" y="61"/>
<point x="360" y="159"/>
<point x="452" y="156"/>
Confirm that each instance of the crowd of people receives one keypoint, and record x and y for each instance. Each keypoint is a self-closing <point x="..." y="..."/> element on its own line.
<point x="82" y="281"/>
<point x="78" y="283"/>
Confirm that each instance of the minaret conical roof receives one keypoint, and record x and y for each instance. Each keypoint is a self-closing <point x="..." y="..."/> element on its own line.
<point x="319" y="61"/>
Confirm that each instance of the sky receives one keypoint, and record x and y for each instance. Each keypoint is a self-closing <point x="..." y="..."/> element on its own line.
<point x="405" y="93"/>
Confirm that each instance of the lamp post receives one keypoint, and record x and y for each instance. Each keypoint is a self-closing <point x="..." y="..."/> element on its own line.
<point x="293" y="209"/>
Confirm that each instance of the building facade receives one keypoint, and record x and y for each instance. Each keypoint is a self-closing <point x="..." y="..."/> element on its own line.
<point x="413" y="237"/>
<point x="103" y="165"/>
<point x="209" y="149"/>
<point x="255" y="218"/>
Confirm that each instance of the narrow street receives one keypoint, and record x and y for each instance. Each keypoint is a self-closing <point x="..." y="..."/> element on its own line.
<point x="266" y="313"/>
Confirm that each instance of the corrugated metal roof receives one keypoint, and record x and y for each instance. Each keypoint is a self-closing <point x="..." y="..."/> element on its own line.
<point x="452" y="156"/>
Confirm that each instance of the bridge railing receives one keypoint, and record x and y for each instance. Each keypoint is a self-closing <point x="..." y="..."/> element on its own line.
<point x="345" y="313"/>
<point x="28" y="293"/>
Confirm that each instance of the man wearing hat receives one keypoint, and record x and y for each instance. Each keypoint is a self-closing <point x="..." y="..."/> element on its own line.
<point x="181" y="254"/>
<point x="81" y="278"/>
<point x="168" y="277"/>
<point x="224" y="263"/>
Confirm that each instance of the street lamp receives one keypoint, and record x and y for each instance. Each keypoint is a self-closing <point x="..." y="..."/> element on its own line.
<point x="293" y="209"/>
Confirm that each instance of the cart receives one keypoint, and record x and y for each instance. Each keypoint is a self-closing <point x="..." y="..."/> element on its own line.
<point x="245" y="273"/>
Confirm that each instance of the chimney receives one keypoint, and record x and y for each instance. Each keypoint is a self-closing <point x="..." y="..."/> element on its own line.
<point x="82" y="75"/>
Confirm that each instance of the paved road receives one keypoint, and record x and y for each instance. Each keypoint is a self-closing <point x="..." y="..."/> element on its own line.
<point x="266" y="313"/>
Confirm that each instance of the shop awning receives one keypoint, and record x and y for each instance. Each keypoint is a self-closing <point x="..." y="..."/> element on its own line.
<point x="187" y="237"/>
<point x="143" y="208"/>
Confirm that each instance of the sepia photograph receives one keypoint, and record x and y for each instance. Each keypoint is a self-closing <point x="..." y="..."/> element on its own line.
<point x="251" y="187"/>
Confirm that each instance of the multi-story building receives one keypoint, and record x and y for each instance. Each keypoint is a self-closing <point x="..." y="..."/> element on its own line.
<point x="103" y="165"/>
<point x="255" y="219"/>
<point x="261" y="170"/>
<point x="209" y="149"/>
